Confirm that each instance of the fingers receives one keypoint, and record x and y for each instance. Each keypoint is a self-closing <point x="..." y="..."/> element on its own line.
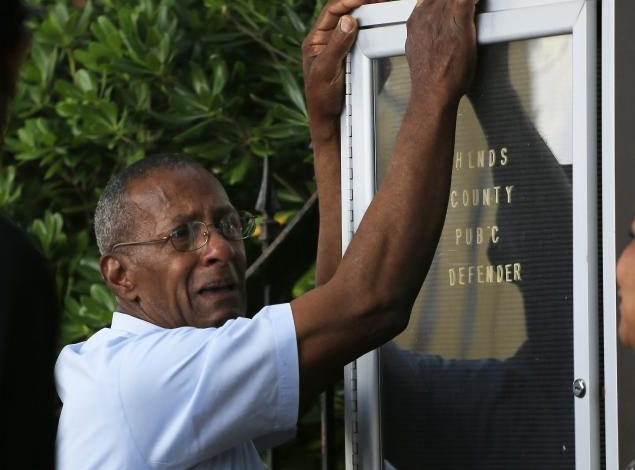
<point x="463" y="4"/>
<point x="334" y="10"/>
<point x="441" y="46"/>
<point x="320" y="35"/>
<point x="326" y="25"/>
<point x="331" y="58"/>
<point x="462" y="11"/>
<point x="465" y="9"/>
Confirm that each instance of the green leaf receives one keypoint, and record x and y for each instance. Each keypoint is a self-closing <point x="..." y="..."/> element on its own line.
<point x="94" y="314"/>
<point x="106" y="33"/>
<point x="102" y="295"/>
<point x="84" y="20"/>
<point x="49" y="232"/>
<point x="73" y="331"/>
<point x="142" y="95"/>
<point x="295" y="20"/>
<point x="305" y="283"/>
<point x="45" y="61"/>
<point x="199" y="80"/>
<point x="194" y="131"/>
<point x="10" y="190"/>
<point x="292" y="89"/>
<point x="211" y="150"/>
<point x="164" y="49"/>
<point x="240" y="170"/>
<point x="260" y="148"/>
<point x="219" y="68"/>
<point x="88" y="269"/>
<point x="84" y="81"/>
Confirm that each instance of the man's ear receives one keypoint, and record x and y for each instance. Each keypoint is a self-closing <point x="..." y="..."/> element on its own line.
<point x="117" y="276"/>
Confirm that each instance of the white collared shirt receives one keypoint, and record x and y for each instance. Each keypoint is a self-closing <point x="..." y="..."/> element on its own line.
<point x="138" y="396"/>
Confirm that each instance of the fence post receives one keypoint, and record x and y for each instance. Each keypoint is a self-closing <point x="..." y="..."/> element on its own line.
<point x="328" y="429"/>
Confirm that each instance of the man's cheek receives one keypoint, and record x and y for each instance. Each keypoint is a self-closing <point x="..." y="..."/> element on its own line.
<point x="626" y="332"/>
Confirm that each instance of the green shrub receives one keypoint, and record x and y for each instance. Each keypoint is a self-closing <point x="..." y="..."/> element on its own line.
<point x="112" y="81"/>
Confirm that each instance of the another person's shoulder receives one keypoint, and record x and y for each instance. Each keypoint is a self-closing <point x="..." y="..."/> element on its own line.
<point x="28" y="297"/>
<point x="15" y="243"/>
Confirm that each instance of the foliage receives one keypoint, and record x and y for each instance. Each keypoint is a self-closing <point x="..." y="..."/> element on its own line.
<point x="107" y="83"/>
<point x="110" y="81"/>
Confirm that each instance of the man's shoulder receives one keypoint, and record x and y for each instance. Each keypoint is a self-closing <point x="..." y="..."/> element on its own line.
<point x="134" y="345"/>
<point x="100" y="347"/>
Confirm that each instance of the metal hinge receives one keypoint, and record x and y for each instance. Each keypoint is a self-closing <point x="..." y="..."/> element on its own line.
<point x="348" y="207"/>
<point x="348" y="108"/>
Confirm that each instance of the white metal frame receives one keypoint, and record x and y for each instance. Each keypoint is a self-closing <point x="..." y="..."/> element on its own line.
<point x="608" y="234"/>
<point x="383" y="34"/>
<point x="618" y="70"/>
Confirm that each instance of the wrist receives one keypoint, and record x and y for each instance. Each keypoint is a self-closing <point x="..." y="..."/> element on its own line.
<point x="432" y="107"/>
<point x="435" y="100"/>
<point x="324" y="132"/>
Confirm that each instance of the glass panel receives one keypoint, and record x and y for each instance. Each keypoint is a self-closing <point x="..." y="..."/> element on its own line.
<point x="481" y="378"/>
<point x="624" y="198"/>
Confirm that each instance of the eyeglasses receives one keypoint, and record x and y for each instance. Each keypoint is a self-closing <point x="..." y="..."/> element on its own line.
<point x="194" y="235"/>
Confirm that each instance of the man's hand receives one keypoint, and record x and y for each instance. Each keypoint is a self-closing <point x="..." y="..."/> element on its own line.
<point x="324" y="51"/>
<point x="441" y="47"/>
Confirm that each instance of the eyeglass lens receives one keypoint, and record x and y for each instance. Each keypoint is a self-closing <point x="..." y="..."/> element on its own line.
<point x="194" y="235"/>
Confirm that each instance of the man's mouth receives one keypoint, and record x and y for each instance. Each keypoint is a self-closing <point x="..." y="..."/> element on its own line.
<point x="218" y="287"/>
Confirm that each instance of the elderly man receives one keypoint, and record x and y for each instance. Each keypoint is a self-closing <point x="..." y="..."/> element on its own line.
<point x="182" y="379"/>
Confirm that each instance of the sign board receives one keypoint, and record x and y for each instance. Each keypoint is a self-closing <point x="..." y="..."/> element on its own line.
<point x="508" y="322"/>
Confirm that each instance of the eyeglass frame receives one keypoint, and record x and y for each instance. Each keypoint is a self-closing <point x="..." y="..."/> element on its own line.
<point x="241" y="214"/>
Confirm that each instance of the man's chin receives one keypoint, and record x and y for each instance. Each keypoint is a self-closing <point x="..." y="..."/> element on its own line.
<point x="216" y="318"/>
<point x="213" y="309"/>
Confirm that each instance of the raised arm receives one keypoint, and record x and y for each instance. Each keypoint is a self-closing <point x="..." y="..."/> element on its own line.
<point x="368" y="299"/>
<point x="324" y="52"/>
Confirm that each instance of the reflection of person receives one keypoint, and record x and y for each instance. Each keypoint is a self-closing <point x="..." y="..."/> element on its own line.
<point x="154" y="392"/>
<point x="27" y="305"/>
<point x="515" y="413"/>
<point x="626" y="281"/>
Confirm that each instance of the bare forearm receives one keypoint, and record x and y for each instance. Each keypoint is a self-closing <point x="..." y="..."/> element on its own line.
<point x="327" y="174"/>
<point x="396" y="241"/>
<point x="382" y="271"/>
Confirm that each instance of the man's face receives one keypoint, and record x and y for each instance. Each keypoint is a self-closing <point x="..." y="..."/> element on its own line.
<point x="626" y="281"/>
<point x="201" y="288"/>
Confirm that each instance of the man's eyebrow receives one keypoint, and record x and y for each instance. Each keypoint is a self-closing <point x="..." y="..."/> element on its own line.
<point x="181" y="219"/>
<point x="191" y="216"/>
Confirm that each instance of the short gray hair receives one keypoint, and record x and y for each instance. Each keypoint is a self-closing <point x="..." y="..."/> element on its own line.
<point x="114" y="215"/>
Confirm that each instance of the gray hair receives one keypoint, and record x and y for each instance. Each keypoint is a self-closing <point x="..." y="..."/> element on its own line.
<point x="114" y="216"/>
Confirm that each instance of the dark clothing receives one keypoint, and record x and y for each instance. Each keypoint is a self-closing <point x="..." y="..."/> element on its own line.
<point x="517" y="413"/>
<point x="486" y="414"/>
<point x="28" y="320"/>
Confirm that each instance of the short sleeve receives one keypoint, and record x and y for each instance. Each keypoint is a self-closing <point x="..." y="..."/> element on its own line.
<point x="188" y="394"/>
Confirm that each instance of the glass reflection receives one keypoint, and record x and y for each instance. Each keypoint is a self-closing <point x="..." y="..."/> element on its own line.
<point x="482" y="376"/>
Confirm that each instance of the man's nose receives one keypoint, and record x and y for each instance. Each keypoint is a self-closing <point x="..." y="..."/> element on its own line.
<point x="217" y="249"/>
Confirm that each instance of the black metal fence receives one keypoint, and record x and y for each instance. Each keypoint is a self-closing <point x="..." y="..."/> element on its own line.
<point x="294" y="245"/>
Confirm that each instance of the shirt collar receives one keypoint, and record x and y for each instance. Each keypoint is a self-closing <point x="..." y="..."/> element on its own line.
<point x="130" y="324"/>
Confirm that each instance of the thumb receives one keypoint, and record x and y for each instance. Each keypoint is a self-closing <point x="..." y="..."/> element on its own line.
<point x="339" y="45"/>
